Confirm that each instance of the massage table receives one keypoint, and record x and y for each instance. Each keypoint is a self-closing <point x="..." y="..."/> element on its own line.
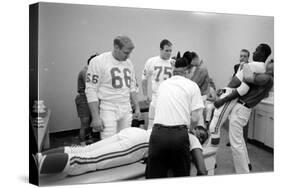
<point x="127" y="172"/>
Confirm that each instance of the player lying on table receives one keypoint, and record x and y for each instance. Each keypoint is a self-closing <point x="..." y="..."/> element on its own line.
<point x="126" y="147"/>
<point x="256" y="73"/>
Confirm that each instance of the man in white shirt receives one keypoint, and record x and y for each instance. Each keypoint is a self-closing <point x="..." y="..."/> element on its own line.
<point x="179" y="103"/>
<point x="110" y="85"/>
<point x="158" y="68"/>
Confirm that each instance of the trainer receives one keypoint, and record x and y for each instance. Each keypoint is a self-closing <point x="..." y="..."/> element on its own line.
<point x="179" y="102"/>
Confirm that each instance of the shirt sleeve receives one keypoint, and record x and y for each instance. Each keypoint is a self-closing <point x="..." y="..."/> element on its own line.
<point x="196" y="102"/>
<point x="93" y="80"/>
<point x="146" y="73"/>
<point x="194" y="142"/>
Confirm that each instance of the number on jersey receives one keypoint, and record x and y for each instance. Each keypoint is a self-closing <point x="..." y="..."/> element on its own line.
<point x="95" y="78"/>
<point x="167" y="72"/>
<point x="117" y="79"/>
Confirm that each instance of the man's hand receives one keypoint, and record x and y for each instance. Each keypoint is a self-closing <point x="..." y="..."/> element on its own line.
<point x="218" y="103"/>
<point x="97" y="125"/>
<point x="147" y="99"/>
<point x="137" y="114"/>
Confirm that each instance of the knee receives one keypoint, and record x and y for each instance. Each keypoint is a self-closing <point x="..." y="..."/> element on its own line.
<point x="85" y="120"/>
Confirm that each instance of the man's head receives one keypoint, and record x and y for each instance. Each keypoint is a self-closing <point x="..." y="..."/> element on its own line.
<point x="195" y="59"/>
<point x="201" y="133"/>
<point x="123" y="46"/>
<point x="92" y="57"/>
<point x="244" y="56"/>
<point x="261" y="53"/>
<point x="165" y="49"/>
<point x="183" y="66"/>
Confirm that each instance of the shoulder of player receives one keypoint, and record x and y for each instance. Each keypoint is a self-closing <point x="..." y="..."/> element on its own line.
<point x="152" y="60"/>
<point x="194" y="142"/>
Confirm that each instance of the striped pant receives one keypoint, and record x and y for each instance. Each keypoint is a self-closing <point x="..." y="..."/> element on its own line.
<point x="220" y="116"/>
<point x="128" y="146"/>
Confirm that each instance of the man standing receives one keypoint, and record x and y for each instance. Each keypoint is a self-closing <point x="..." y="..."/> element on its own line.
<point x="82" y="107"/>
<point x="109" y="86"/>
<point x="159" y="68"/>
<point x="179" y="103"/>
<point x="241" y="111"/>
<point x="244" y="58"/>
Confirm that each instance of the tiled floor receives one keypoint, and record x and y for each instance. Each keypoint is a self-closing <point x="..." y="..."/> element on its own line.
<point x="261" y="159"/>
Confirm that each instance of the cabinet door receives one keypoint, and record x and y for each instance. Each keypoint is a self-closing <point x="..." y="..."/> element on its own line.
<point x="260" y="126"/>
<point x="269" y="138"/>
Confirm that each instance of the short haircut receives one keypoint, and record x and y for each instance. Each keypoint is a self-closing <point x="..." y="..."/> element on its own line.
<point x="121" y="40"/>
<point x="246" y="51"/>
<point x="189" y="56"/>
<point x="183" y="63"/>
<point x="203" y="134"/>
<point x="194" y="55"/>
<point x="93" y="56"/>
<point x="266" y="49"/>
<point x="165" y="42"/>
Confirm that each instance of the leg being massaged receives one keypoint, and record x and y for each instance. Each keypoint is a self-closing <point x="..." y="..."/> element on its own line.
<point x="224" y="105"/>
<point x="128" y="146"/>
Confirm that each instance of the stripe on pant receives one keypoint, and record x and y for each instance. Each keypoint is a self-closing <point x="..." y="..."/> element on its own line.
<point x="87" y="160"/>
<point x="221" y="117"/>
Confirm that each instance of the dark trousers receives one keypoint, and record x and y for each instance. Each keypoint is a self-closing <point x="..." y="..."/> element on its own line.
<point x="168" y="150"/>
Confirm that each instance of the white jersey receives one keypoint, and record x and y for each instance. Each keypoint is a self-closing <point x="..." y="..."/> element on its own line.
<point x="159" y="70"/>
<point x="256" y="67"/>
<point x="177" y="98"/>
<point x="110" y="80"/>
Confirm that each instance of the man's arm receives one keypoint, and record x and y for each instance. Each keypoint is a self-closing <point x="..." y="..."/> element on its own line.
<point x="146" y="73"/>
<point x="96" y="123"/>
<point x="199" y="162"/>
<point x="196" y="117"/>
<point x="92" y="84"/>
<point x="144" y="84"/>
<point x="259" y="79"/>
<point x="135" y="101"/>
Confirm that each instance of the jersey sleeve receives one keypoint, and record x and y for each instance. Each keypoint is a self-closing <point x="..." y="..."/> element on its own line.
<point x="196" y="101"/>
<point x="147" y="72"/>
<point x="93" y="78"/>
<point x="194" y="142"/>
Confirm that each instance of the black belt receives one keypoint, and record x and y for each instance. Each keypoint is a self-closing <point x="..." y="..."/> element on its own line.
<point x="243" y="103"/>
<point x="170" y="127"/>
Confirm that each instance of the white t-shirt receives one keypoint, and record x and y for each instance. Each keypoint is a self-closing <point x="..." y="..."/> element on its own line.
<point x="109" y="79"/>
<point x="177" y="98"/>
<point x="256" y="67"/>
<point x="159" y="70"/>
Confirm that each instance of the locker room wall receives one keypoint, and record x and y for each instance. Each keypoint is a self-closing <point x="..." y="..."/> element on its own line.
<point x="233" y="33"/>
<point x="69" y="34"/>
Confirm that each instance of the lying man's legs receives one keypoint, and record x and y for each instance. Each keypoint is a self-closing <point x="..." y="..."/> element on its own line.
<point x="129" y="146"/>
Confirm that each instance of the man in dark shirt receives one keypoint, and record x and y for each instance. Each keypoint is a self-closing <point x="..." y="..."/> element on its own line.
<point x="82" y="107"/>
<point x="260" y="85"/>
<point x="244" y="58"/>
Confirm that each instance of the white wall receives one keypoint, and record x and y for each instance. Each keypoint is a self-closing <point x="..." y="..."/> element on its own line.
<point x="68" y="34"/>
<point x="231" y="33"/>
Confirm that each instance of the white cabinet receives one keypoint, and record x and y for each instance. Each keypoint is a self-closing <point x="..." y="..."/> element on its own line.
<point x="261" y="124"/>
